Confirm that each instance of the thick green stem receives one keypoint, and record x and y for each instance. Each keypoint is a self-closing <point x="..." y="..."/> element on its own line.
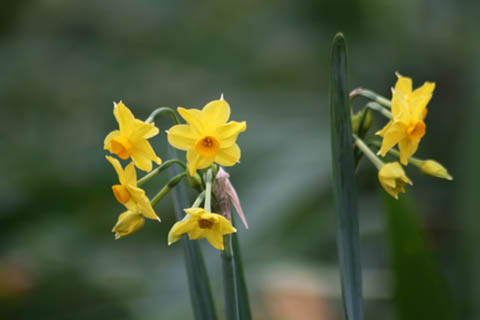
<point x="208" y="191"/>
<point x="229" y="280"/>
<point x="160" y="168"/>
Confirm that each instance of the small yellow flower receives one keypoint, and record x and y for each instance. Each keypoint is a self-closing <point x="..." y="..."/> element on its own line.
<point x="393" y="178"/>
<point x="409" y="109"/>
<point x="207" y="137"/>
<point x="128" y="223"/>
<point x="201" y="224"/>
<point x="433" y="168"/>
<point x="127" y="192"/>
<point x="131" y="139"/>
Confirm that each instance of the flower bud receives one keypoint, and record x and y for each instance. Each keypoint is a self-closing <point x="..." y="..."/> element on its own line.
<point x="433" y="168"/>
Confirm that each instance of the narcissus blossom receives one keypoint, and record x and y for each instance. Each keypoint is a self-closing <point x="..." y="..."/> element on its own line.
<point x="202" y="224"/>
<point x="393" y="178"/>
<point x="409" y="109"/>
<point x="207" y="137"/>
<point x="128" y="223"/>
<point x="131" y="139"/>
<point x="127" y="192"/>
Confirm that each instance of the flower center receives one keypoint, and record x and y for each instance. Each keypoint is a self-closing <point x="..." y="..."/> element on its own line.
<point x="207" y="146"/>
<point x="122" y="147"/>
<point x="205" y="224"/>
<point x="121" y="193"/>
<point x="416" y="130"/>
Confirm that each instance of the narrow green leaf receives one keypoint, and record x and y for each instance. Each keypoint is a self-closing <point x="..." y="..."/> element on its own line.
<point x="199" y="285"/>
<point x="344" y="183"/>
<point x="229" y="283"/>
<point x="420" y="289"/>
<point x="237" y="304"/>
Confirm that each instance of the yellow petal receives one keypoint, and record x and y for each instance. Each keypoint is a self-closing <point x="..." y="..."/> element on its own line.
<point x="180" y="228"/>
<point x="130" y="174"/>
<point x="227" y="133"/>
<point x="404" y="84"/>
<point x="124" y="118"/>
<point x="400" y="109"/>
<point x="194" y="118"/>
<point x="215" y="239"/>
<point x="385" y="129"/>
<point x="142" y="130"/>
<point x="198" y="212"/>
<point x="118" y="168"/>
<point x="143" y="204"/>
<point x="143" y="155"/>
<point x="395" y="133"/>
<point x="216" y="112"/>
<point x="407" y="148"/>
<point x="224" y="225"/>
<point x="419" y="99"/>
<point x="107" y="143"/>
<point x="182" y="137"/>
<point x="128" y="223"/>
<point x="197" y="161"/>
<point x="228" y="156"/>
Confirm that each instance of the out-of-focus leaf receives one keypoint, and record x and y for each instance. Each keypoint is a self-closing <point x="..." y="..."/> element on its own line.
<point x="344" y="183"/>
<point x="420" y="289"/>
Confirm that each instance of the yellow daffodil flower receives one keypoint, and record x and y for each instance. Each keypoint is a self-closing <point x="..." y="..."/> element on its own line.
<point x="202" y="224"/>
<point x="409" y="109"/>
<point x="433" y="168"/>
<point x="207" y="137"/>
<point x="393" y="178"/>
<point x="128" y="223"/>
<point x="127" y="192"/>
<point x="131" y="139"/>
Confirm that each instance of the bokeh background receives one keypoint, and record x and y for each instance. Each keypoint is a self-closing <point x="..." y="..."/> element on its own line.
<point x="63" y="63"/>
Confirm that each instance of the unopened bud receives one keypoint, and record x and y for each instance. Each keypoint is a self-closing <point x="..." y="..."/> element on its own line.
<point x="433" y="168"/>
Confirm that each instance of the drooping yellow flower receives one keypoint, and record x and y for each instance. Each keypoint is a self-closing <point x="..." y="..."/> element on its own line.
<point x="128" y="223"/>
<point x="393" y="178"/>
<point x="131" y="139"/>
<point x="127" y="192"/>
<point x="409" y="109"/>
<point x="207" y="137"/>
<point x="433" y="168"/>
<point x="202" y="224"/>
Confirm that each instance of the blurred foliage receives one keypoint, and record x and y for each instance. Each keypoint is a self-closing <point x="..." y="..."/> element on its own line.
<point x="63" y="63"/>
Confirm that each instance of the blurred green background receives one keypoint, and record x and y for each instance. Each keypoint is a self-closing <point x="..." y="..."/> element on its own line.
<point x="63" y="63"/>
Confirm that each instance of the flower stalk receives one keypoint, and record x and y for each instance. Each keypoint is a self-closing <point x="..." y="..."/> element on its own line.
<point x="159" y="169"/>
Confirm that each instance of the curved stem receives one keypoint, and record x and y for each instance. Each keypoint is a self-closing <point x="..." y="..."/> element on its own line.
<point x="415" y="161"/>
<point x="377" y="107"/>
<point x="157" y="112"/>
<point x="163" y="192"/>
<point x="370" y="95"/>
<point x="199" y="200"/>
<point x="160" y="168"/>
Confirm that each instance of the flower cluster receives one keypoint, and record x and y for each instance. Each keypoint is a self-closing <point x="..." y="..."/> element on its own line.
<point x="209" y="139"/>
<point x="406" y="111"/>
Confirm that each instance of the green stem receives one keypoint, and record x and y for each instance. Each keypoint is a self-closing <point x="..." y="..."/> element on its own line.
<point x="370" y="95"/>
<point x="198" y="201"/>
<point x="160" y="168"/>
<point x="208" y="191"/>
<point x="368" y="152"/>
<point x="159" y="111"/>
<point x="163" y="192"/>
<point x="382" y="110"/>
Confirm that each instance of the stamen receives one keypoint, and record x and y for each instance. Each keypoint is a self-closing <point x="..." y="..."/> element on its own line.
<point x="205" y="224"/>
